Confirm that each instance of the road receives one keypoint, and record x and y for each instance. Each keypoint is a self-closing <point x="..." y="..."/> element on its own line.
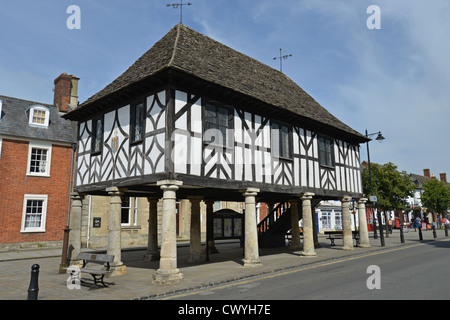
<point x="413" y="272"/>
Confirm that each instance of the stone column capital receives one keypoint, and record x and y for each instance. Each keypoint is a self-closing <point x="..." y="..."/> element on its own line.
<point x="250" y="192"/>
<point x="362" y="200"/>
<point x="346" y="199"/>
<point x="76" y="196"/>
<point x="307" y="196"/>
<point x="169" y="183"/>
<point x="114" y="191"/>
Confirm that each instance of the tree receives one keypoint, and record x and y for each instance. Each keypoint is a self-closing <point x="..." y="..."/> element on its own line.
<point x="436" y="197"/>
<point x="391" y="186"/>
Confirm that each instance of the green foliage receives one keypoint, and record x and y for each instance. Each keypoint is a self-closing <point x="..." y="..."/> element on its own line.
<point x="391" y="186"/>
<point x="436" y="196"/>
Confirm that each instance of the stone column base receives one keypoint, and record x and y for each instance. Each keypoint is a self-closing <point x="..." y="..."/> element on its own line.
<point x="117" y="271"/>
<point x="348" y="248"/>
<point x="252" y="263"/>
<point x="167" y="277"/>
<point x="309" y="253"/>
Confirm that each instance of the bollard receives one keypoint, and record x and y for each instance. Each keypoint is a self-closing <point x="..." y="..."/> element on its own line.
<point x="420" y="233"/>
<point x="446" y="230"/>
<point x="402" y="237"/>
<point x="33" y="289"/>
<point x="375" y="234"/>
<point x="434" y="231"/>
<point x="381" y="228"/>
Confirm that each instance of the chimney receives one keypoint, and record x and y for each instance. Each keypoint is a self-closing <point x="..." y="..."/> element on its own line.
<point x="443" y="177"/>
<point x="66" y="92"/>
<point x="426" y="173"/>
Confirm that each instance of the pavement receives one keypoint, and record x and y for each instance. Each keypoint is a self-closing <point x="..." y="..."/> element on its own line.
<point x="224" y="267"/>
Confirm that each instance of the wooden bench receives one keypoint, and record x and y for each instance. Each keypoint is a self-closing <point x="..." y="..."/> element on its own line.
<point x="97" y="274"/>
<point x="338" y="235"/>
<point x="288" y="237"/>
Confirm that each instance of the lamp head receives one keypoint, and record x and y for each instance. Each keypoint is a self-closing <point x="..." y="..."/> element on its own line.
<point x="380" y="137"/>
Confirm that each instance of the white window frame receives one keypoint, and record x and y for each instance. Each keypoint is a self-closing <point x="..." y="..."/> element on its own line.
<point x="39" y="108"/>
<point x="43" y="146"/>
<point x="132" y="210"/>
<point x="38" y="197"/>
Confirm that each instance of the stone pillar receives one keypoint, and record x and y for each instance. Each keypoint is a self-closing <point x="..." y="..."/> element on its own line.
<point x="195" y="250"/>
<point x="346" y="224"/>
<point x="74" y="247"/>
<point x="168" y="272"/>
<point x="251" y="249"/>
<point x="114" y="232"/>
<point x="210" y="227"/>
<point x="363" y="232"/>
<point x="295" y="231"/>
<point x="308" y="236"/>
<point x="152" y="253"/>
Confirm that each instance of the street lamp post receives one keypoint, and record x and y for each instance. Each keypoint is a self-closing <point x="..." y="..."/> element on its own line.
<point x="378" y="138"/>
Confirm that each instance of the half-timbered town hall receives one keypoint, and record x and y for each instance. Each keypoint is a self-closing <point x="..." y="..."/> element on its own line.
<point x="194" y="119"/>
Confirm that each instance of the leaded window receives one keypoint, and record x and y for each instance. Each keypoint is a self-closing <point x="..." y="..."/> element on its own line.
<point x="97" y="136"/>
<point x="281" y="140"/>
<point x="137" y="122"/>
<point x="218" y="125"/>
<point x="326" y="157"/>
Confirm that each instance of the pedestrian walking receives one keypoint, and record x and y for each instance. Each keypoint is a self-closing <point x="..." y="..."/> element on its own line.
<point x="417" y="222"/>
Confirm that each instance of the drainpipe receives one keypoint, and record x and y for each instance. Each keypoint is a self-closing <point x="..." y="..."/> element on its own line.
<point x="64" y="264"/>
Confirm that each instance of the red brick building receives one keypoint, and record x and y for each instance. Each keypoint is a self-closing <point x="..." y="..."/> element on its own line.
<point x="36" y="152"/>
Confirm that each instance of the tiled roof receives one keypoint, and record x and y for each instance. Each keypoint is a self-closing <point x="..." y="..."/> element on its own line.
<point x="14" y="122"/>
<point x="195" y="54"/>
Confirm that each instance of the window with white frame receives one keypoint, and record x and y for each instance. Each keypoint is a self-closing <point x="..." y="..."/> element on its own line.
<point x="338" y="220"/>
<point x="129" y="211"/>
<point x="326" y="220"/>
<point x="39" y="116"/>
<point x="39" y="159"/>
<point x="34" y="213"/>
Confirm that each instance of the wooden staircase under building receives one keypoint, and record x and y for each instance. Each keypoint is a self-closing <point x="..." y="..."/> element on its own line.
<point x="272" y="229"/>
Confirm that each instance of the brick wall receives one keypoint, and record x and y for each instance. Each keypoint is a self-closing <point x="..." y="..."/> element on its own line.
<point x="14" y="184"/>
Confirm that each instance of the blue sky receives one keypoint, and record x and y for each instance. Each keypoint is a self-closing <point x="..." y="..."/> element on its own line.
<point x="395" y="79"/>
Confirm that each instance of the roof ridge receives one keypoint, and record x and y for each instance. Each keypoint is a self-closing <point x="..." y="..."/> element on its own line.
<point x="28" y="101"/>
<point x="175" y="45"/>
